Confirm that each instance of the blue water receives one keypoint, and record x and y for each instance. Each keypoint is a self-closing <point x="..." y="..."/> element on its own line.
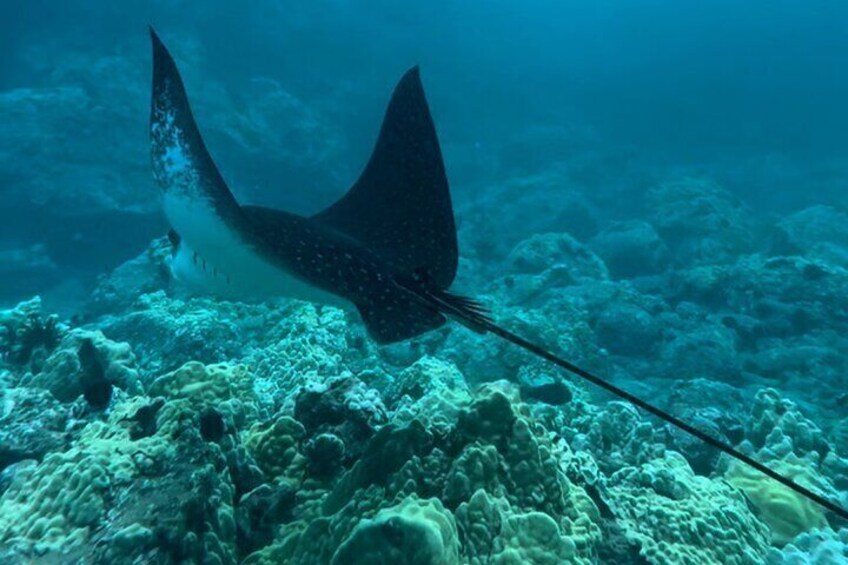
<point x="655" y="191"/>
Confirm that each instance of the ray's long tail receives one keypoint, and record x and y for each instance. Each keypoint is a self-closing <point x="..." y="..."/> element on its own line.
<point x="676" y="422"/>
<point x="471" y="313"/>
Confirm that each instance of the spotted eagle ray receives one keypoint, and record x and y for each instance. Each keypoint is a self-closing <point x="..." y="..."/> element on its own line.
<point x="388" y="247"/>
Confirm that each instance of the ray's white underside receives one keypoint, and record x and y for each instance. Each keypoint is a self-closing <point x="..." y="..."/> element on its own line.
<point x="213" y="258"/>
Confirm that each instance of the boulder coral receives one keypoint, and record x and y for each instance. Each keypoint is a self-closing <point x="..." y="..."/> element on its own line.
<point x="413" y="485"/>
<point x="80" y="360"/>
<point x="676" y="516"/>
<point x="778" y="433"/>
<point x="702" y="222"/>
<point x="27" y="337"/>
<point x="222" y="387"/>
<point x="110" y="498"/>
<point x="816" y="547"/>
<point x="274" y="446"/>
<point x="630" y="249"/>
<point x="539" y="253"/>
<point x="418" y="532"/>
<point x="785" y="512"/>
<point x="168" y="332"/>
<point x="493" y="533"/>
<point x="819" y="231"/>
<point x="300" y="442"/>
<point x="32" y="424"/>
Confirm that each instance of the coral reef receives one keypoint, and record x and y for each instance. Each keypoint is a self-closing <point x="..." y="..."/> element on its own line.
<point x="777" y="433"/>
<point x="32" y="424"/>
<point x="165" y="427"/>
<point x="702" y="222"/>
<point x="26" y="336"/>
<point x="164" y="495"/>
<point x="786" y="512"/>
<point x="820" y="232"/>
<point x="82" y="360"/>
<point x="413" y="488"/>
<point x="117" y="292"/>
<point x="678" y="517"/>
<point x="817" y="547"/>
<point x="413" y="531"/>
<point x="631" y="249"/>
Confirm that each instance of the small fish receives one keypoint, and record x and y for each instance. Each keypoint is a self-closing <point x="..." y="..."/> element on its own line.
<point x="554" y="393"/>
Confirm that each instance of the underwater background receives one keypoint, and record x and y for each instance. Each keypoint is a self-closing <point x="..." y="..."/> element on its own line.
<point x="655" y="190"/>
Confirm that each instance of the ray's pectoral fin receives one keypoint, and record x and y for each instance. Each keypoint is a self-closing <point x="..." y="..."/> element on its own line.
<point x="196" y="198"/>
<point x="415" y="306"/>
<point x="400" y="207"/>
<point x="397" y="316"/>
